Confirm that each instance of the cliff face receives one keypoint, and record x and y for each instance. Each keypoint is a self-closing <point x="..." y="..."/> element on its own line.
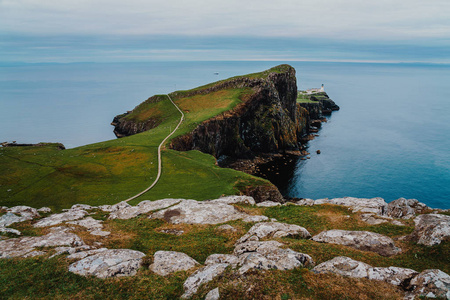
<point x="268" y="121"/>
<point x="127" y="124"/>
<point x="318" y="105"/>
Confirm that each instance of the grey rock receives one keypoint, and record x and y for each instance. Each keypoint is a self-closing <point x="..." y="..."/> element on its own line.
<point x="82" y="254"/>
<point x="89" y="223"/>
<point x="82" y="207"/>
<point x="195" y="212"/>
<point x="274" y="230"/>
<point x="392" y="275"/>
<point x="305" y="202"/>
<point x="19" y="247"/>
<point x="213" y="294"/>
<point x="45" y="210"/>
<point x="10" y="218"/>
<point x="230" y="259"/>
<point x="373" y="219"/>
<point x="268" y="255"/>
<point x="235" y="200"/>
<point x="115" y="207"/>
<point x="431" y="283"/>
<point x="128" y="212"/>
<point x="374" y="205"/>
<point x="56" y="219"/>
<point x="70" y="250"/>
<point x="167" y="262"/>
<point x="361" y="240"/>
<point x="268" y="204"/>
<point x="10" y="230"/>
<point x="201" y="276"/>
<point x="24" y="211"/>
<point x="344" y="266"/>
<point x="431" y="229"/>
<point x="254" y="219"/>
<point x="405" y="208"/>
<point x="227" y="227"/>
<point x="109" y="263"/>
<point x="100" y="233"/>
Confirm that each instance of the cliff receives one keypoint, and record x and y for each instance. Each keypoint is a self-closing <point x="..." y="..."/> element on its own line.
<point x="317" y="104"/>
<point x="267" y="121"/>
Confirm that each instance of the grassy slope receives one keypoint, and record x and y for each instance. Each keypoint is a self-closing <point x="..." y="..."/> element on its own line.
<point x="111" y="171"/>
<point x="41" y="278"/>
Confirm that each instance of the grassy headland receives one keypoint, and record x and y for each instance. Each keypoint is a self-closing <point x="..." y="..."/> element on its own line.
<point x="111" y="171"/>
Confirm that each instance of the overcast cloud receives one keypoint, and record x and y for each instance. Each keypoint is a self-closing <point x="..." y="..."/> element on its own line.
<point x="418" y="23"/>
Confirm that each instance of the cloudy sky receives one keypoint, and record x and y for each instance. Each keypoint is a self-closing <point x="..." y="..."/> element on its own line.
<point x="145" y="30"/>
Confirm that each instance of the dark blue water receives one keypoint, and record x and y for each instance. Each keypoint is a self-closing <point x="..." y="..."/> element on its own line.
<point x="390" y="138"/>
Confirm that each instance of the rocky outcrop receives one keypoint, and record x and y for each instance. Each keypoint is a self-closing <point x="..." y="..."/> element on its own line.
<point x="405" y="208"/>
<point x="28" y="246"/>
<point x="273" y="230"/>
<point x="431" y="284"/>
<point x="202" y="276"/>
<point x="361" y="240"/>
<point x="208" y="212"/>
<point x="56" y="219"/>
<point x="431" y="229"/>
<point x="109" y="263"/>
<point x="167" y="262"/>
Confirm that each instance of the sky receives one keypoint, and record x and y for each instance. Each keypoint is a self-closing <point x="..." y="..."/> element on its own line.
<point x="148" y="30"/>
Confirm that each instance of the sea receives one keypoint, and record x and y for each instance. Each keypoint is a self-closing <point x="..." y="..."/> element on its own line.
<point x="390" y="139"/>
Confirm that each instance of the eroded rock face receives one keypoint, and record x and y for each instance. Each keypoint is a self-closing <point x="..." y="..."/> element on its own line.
<point x="201" y="276"/>
<point x="109" y="263"/>
<point x="195" y="212"/>
<point x="274" y="230"/>
<point x="213" y="294"/>
<point x="344" y="266"/>
<point x="361" y="240"/>
<point x="405" y="208"/>
<point x="431" y="283"/>
<point x="167" y="262"/>
<point x="431" y="229"/>
<point x="21" y="247"/>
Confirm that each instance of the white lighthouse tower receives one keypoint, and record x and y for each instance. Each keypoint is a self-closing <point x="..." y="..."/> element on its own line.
<point x="322" y="88"/>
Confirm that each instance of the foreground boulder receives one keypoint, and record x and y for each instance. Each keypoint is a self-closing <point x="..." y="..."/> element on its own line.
<point x="431" y="229"/>
<point x="167" y="262"/>
<point x="361" y="240"/>
<point x="273" y="230"/>
<point x="109" y="263"/>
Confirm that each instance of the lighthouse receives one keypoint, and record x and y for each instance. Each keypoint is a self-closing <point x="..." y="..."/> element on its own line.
<point x="322" y="89"/>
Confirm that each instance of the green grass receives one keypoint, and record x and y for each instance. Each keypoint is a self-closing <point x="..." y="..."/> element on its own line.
<point x="112" y="171"/>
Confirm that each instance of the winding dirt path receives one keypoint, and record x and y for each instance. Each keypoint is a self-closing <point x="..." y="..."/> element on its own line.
<point x="159" y="155"/>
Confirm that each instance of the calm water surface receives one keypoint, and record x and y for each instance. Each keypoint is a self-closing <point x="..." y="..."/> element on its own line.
<point x="390" y="138"/>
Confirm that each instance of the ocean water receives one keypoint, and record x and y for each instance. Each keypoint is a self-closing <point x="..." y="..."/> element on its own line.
<point x="390" y="138"/>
